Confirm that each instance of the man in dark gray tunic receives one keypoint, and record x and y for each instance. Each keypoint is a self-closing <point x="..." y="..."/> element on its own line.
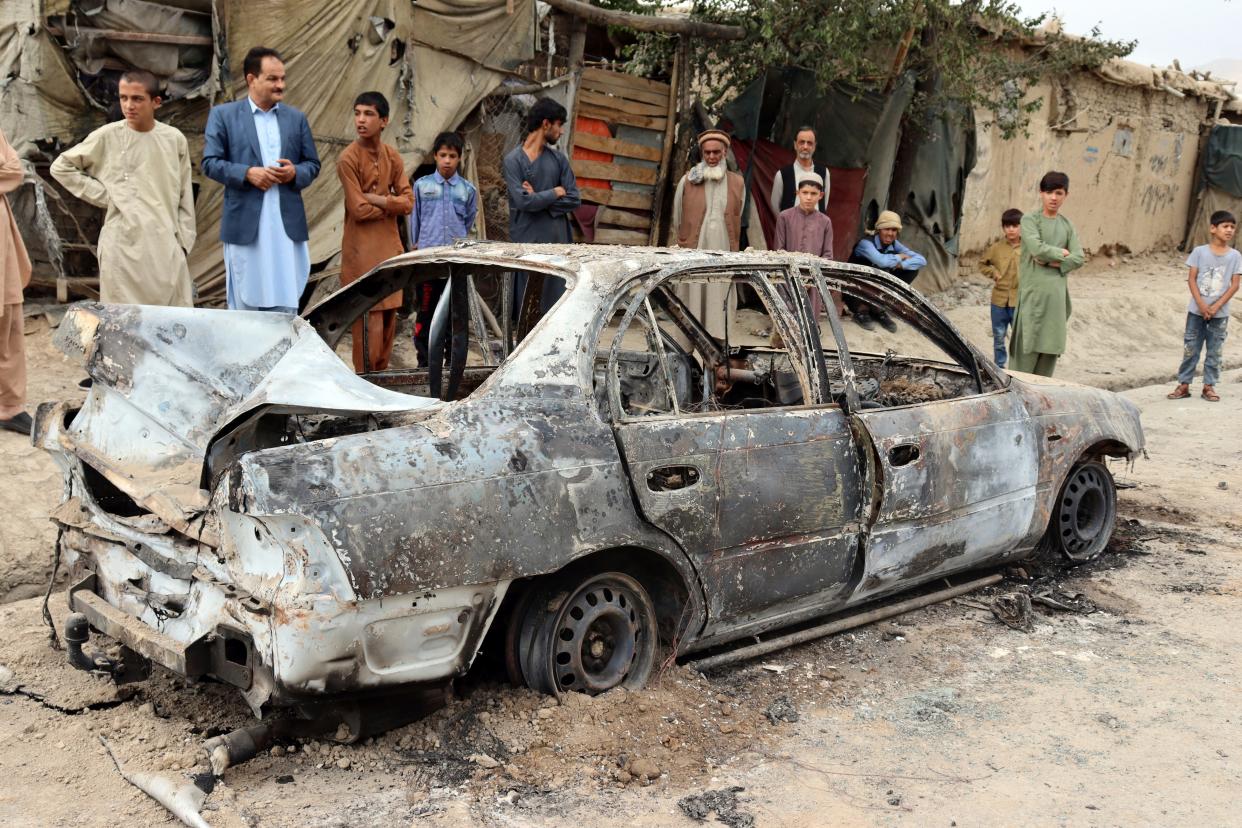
<point x="542" y="189"/>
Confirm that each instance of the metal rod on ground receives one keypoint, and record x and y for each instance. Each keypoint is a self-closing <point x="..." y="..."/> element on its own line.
<point x="877" y="614"/>
<point x="180" y="798"/>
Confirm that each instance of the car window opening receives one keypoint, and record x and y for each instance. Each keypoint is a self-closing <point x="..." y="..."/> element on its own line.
<point x="714" y="342"/>
<point x="452" y="335"/>
<point x="706" y="343"/>
<point x="908" y="366"/>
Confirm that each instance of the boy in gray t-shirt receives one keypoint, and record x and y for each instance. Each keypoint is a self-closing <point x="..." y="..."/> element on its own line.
<point x="1215" y="269"/>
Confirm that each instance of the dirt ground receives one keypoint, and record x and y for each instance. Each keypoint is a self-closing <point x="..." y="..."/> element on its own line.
<point x="1122" y="716"/>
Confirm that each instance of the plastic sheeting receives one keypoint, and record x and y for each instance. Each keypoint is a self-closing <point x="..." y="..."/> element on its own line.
<point x="39" y="98"/>
<point x="932" y="214"/>
<point x="187" y="67"/>
<point x="482" y="30"/>
<point x="1220" y="182"/>
<point x="1222" y="160"/>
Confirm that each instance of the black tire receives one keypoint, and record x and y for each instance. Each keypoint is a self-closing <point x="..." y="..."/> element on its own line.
<point x="1084" y="513"/>
<point x="588" y="634"/>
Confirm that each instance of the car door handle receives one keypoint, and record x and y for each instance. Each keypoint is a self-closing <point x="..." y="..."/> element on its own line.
<point x="903" y="455"/>
<point x="671" y="478"/>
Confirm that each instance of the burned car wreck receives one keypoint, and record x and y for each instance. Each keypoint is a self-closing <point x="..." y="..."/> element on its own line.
<point x="675" y="455"/>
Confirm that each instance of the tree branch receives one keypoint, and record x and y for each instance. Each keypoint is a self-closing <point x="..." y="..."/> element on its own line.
<point x="648" y="22"/>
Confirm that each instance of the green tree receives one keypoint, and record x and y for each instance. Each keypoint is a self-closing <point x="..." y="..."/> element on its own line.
<point x="964" y="54"/>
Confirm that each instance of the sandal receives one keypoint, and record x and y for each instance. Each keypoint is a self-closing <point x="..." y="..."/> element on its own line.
<point x="1181" y="392"/>
<point x="1209" y="394"/>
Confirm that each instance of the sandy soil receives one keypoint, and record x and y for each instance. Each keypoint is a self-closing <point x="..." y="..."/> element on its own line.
<point x="1122" y="716"/>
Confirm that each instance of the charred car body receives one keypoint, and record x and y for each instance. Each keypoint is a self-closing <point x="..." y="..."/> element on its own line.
<point x="643" y="471"/>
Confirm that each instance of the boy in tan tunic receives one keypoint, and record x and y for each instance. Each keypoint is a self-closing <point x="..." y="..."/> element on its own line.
<point x="1000" y="264"/>
<point x="376" y="193"/>
<point x="139" y="171"/>
<point x="14" y="276"/>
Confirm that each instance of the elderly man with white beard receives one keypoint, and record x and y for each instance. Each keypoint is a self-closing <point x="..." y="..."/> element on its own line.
<point x="707" y="214"/>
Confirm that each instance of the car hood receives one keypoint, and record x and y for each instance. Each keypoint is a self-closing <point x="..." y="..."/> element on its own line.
<point x="167" y="381"/>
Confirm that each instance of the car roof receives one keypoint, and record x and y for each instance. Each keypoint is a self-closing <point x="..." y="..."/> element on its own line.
<point x="607" y="266"/>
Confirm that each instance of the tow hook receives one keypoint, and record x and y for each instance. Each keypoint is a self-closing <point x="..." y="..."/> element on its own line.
<point x="77" y="634"/>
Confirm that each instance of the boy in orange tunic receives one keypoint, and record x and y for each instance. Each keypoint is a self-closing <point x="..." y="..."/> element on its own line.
<point x="376" y="194"/>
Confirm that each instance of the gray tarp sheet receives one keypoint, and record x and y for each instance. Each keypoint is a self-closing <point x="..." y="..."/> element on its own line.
<point x="1220" y="182"/>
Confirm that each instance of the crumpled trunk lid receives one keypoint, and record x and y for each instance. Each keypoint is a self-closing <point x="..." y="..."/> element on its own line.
<point x="166" y="381"/>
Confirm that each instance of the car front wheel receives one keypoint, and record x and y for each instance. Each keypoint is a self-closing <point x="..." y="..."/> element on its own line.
<point x="1084" y="513"/>
<point x="588" y="635"/>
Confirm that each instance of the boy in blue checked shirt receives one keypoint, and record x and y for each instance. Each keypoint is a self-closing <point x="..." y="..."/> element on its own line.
<point x="445" y="206"/>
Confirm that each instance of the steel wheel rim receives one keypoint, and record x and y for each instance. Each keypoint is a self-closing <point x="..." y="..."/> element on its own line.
<point x="1085" y="512"/>
<point x="598" y="635"/>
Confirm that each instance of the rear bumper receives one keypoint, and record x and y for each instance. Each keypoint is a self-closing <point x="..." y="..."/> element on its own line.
<point x="185" y="659"/>
<point x="280" y="643"/>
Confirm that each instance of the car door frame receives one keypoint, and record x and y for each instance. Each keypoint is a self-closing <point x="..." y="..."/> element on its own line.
<point x="757" y="582"/>
<point x="906" y="544"/>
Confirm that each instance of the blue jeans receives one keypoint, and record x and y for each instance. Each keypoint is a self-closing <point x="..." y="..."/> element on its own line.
<point x="1002" y="318"/>
<point x="1200" y="331"/>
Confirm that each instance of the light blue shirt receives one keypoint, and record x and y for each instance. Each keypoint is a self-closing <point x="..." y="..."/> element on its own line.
<point x="271" y="272"/>
<point x="885" y="257"/>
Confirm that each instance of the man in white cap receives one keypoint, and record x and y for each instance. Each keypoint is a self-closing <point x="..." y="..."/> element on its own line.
<point x="882" y="251"/>
<point x="707" y="214"/>
<point x="803" y="228"/>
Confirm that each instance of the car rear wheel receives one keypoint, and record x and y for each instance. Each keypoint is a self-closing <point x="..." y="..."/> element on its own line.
<point x="1085" y="512"/>
<point x="587" y="634"/>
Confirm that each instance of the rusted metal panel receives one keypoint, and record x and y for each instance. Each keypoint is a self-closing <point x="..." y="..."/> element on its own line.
<point x="187" y="660"/>
<point x="959" y="484"/>
<point x="481" y="493"/>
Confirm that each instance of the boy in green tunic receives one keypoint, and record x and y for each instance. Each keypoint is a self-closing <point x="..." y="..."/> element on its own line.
<point x="1050" y="250"/>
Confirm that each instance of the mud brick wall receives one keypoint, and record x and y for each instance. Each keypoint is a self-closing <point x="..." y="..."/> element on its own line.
<point x="1130" y="153"/>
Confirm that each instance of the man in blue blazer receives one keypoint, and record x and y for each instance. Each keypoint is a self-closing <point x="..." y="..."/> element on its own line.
<point x="261" y="150"/>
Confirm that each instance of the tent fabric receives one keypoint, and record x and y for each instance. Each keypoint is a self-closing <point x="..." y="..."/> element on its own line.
<point x="39" y="98"/>
<point x="1222" y="160"/>
<point x="485" y="31"/>
<point x="932" y="214"/>
<point x="1220" y="182"/>
<point x="89" y="49"/>
<point x="1209" y="201"/>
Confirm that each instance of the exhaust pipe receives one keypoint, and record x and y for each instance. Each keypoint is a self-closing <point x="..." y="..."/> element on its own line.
<point x="241" y="745"/>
